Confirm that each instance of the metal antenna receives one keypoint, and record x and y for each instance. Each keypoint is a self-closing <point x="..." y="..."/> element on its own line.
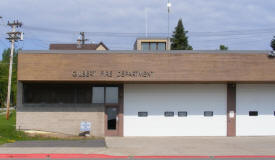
<point x="82" y="40"/>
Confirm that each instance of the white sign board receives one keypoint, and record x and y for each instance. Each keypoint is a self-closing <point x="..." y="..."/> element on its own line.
<point x="231" y="114"/>
<point x="85" y="126"/>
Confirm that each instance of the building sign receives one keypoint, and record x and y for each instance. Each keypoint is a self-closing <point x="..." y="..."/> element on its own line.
<point x="112" y="74"/>
<point x="85" y="126"/>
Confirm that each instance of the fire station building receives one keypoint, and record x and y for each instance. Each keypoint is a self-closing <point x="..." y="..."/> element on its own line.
<point x="147" y="93"/>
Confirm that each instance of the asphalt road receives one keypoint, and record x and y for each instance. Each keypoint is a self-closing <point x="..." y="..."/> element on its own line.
<point x="58" y="143"/>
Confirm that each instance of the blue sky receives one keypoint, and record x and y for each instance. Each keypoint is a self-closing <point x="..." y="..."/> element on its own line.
<point x="239" y="24"/>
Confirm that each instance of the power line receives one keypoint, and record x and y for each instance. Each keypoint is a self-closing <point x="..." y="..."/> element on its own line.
<point x="135" y="34"/>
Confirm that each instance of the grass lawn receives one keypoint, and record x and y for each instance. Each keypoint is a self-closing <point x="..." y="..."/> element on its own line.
<point x="9" y="134"/>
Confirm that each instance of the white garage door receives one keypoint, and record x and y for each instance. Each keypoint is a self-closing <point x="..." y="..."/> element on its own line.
<point x="193" y="99"/>
<point x="255" y="109"/>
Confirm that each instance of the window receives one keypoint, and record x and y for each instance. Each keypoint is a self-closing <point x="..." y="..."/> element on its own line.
<point x="56" y="93"/>
<point x="143" y="114"/>
<point x="98" y="94"/>
<point x="111" y="95"/>
<point x="83" y="94"/>
<point x="145" y="46"/>
<point x="162" y="46"/>
<point x="253" y="113"/>
<point x="208" y="114"/>
<point x="68" y="94"/>
<point x="153" y="46"/>
<point x="182" y="114"/>
<point x="169" y="114"/>
<point x="112" y="118"/>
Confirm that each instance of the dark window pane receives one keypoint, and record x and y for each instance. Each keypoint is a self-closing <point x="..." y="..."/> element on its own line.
<point x="153" y="46"/>
<point x="182" y="114"/>
<point x="98" y="94"/>
<point x="145" y="46"/>
<point x="61" y="94"/>
<point x="169" y="114"/>
<point x="111" y="95"/>
<point x="253" y="113"/>
<point x="161" y="46"/>
<point x="143" y="114"/>
<point x="208" y="114"/>
<point x="35" y="94"/>
<point x="84" y="94"/>
<point x="55" y="93"/>
<point x="112" y="115"/>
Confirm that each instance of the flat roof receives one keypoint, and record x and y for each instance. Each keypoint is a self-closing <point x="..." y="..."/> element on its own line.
<point x="141" y="52"/>
<point x="152" y="38"/>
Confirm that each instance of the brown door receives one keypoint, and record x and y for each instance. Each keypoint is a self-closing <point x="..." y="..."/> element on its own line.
<point x="111" y="120"/>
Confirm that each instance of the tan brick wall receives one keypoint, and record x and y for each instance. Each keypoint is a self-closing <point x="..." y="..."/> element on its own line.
<point x="61" y="122"/>
<point x="138" y="43"/>
<point x="101" y="48"/>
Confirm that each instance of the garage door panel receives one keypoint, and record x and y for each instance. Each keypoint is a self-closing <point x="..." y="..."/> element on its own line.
<point x="255" y="97"/>
<point x="156" y="99"/>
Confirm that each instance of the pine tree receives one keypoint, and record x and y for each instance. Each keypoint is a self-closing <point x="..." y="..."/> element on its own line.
<point x="223" y="47"/>
<point x="273" y="43"/>
<point x="179" y="39"/>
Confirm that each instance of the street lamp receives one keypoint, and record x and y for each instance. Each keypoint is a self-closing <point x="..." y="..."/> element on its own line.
<point x="168" y="7"/>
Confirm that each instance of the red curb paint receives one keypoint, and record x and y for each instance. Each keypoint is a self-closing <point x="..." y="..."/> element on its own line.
<point x="38" y="156"/>
<point x="64" y="156"/>
<point x="4" y="155"/>
<point x="56" y="156"/>
<point x="244" y="156"/>
<point x="171" y="157"/>
<point x="105" y="156"/>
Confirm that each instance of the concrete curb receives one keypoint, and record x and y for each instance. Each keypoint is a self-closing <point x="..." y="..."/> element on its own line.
<point x="245" y="156"/>
<point x="170" y="157"/>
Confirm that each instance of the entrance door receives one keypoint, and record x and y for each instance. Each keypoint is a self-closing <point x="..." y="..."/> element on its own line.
<point x="111" y="115"/>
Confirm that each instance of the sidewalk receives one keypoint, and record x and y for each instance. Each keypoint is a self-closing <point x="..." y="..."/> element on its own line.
<point x="166" y="146"/>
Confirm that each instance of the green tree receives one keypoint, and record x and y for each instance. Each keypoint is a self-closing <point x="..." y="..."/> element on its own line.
<point x="179" y="38"/>
<point x="273" y="43"/>
<point x="4" y="72"/>
<point x="223" y="47"/>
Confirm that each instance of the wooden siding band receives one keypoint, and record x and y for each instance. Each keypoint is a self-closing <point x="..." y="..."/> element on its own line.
<point x="146" y="68"/>
<point x="231" y="108"/>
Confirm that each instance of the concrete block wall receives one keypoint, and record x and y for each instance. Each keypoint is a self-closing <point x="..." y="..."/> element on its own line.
<point x="61" y="122"/>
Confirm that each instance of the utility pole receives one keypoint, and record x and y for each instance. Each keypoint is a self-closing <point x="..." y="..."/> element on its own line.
<point x="13" y="37"/>
<point x="82" y="40"/>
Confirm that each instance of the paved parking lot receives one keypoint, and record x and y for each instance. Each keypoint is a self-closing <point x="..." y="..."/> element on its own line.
<point x="209" y="146"/>
<point x="165" y="146"/>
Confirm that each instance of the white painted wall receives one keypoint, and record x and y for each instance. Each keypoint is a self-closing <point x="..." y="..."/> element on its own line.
<point x="255" y="97"/>
<point x="158" y="98"/>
